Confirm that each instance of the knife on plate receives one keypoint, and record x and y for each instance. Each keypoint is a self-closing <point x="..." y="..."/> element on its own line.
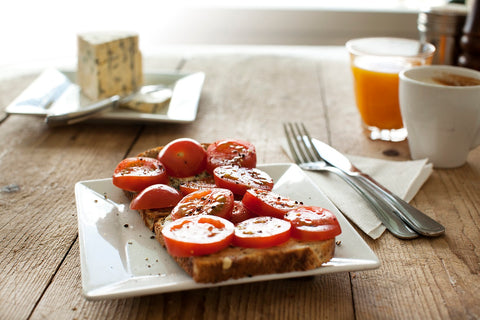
<point x="80" y="113"/>
<point x="413" y="217"/>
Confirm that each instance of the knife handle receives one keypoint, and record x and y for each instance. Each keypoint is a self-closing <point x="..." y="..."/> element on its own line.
<point x="383" y="210"/>
<point x="416" y="219"/>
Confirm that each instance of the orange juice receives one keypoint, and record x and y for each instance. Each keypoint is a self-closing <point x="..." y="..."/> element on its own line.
<point x="376" y="63"/>
<point x="376" y="92"/>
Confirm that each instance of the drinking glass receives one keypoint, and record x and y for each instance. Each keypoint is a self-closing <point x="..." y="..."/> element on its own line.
<point x="375" y="64"/>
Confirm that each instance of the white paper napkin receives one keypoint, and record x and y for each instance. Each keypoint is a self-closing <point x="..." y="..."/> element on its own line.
<point x="404" y="178"/>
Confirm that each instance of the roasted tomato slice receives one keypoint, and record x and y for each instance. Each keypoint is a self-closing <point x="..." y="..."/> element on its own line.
<point x="311" y="223"/>
<point x="239" y="179"/>
<point x="231" y="152"/>
<point x="197" y="235"/>
<point x="195" y="185"/>
<point x="183" y="158"/>
<point x="261" y="232"/>
<point x="240" y="213"/>
<point x="268" y="203"/>
<point x="135" y="174"/>
<point x="217" y="202"/>
<point x="156" y="196"/>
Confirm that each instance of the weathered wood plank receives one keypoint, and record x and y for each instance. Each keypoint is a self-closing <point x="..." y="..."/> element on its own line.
<point x="38" y="223"/>
<point x="249" y="98"/>
<point x="436" y="278"/>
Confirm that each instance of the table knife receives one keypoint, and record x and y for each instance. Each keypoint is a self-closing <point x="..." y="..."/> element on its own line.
<point x="413" y="217"/>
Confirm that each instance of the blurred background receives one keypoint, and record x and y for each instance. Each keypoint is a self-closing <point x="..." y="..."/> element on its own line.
<point x="36" y="30"/>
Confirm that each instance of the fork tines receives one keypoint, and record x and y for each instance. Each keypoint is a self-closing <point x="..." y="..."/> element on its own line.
<point x="300" y="142"/>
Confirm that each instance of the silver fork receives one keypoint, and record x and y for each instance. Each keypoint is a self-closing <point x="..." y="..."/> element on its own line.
<point x="303" y="152"/>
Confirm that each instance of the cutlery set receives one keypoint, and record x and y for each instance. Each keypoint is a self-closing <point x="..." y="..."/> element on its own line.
<point x="400" y="218"/>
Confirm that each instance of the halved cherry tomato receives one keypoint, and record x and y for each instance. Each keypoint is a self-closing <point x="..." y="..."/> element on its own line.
<point x="231" y="152"/>
<point x="268" y="203"/>
<point x="135" y="174"/>
<point x="217" y="202"/>
<point x="156" y="196"/>
<point x="261" y="232"/>
<point x="240" y="213"/>
<point x="197" y="235"/>
<point x="195" y="185"/>
<point x="239" y="179"/>
<point x="311" y="223"/>
<point x="183" y="158"/>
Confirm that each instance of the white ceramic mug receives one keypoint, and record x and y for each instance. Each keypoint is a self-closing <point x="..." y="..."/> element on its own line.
<point x="442" y="119"/>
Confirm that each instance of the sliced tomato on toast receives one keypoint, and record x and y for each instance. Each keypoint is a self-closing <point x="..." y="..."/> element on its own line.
<point x="197" y="235"/>
<point x="217" y="202"/>
<point x="231" y="152"/>
<point x="240" y="179"/>
<point x="190" y="186"/>
<point x="183" y="157"/>
<point x="240" y="213"/>
<point x="267" y="203"/>
<point x="261" y="232"/>
<point x="157" y="196"/>
<point x="310" y="223"/>
<point x="137" y="173"/>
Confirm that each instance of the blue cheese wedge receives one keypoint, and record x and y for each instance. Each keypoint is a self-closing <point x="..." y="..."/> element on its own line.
<point x="109" y="63"/>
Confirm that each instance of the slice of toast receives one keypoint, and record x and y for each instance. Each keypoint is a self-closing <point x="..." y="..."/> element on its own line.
<point x="235" y="262"/>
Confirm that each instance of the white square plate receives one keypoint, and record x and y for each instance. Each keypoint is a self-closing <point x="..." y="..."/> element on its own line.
<point x="120" y="257"/>
<point x="182" y="108"/>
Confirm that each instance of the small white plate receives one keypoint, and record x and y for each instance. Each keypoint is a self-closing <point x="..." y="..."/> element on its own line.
<point x="186" y="91"/>
<point x="120" y="257"/>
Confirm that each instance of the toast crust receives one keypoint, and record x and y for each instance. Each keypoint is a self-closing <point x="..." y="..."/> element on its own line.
<point x="236" y="262"/>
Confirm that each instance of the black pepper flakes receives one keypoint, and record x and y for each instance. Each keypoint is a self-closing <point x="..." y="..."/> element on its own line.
<point x="391" y="153"/>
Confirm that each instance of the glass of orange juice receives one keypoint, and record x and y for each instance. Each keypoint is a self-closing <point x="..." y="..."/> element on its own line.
<point x="376" y="64"/>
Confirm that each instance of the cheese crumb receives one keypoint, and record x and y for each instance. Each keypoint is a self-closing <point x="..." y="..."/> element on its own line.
<point x="227" y="263"/>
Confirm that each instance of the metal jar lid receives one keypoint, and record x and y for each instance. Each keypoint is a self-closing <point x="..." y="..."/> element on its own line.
<point x="447" y="20"/>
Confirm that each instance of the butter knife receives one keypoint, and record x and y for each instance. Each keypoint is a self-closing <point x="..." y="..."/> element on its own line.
<point x="413" y="217"/>
<point x="82" y="113"/>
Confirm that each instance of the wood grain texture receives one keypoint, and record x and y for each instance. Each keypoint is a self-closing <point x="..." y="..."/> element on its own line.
<point x="38" y="220"/>
<point x="245" y="96"/>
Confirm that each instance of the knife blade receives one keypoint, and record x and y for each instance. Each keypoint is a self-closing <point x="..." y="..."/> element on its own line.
<point x="413" y="217"/>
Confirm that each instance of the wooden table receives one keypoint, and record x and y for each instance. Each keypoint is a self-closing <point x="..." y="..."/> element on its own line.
<point x="247" y="94"/>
